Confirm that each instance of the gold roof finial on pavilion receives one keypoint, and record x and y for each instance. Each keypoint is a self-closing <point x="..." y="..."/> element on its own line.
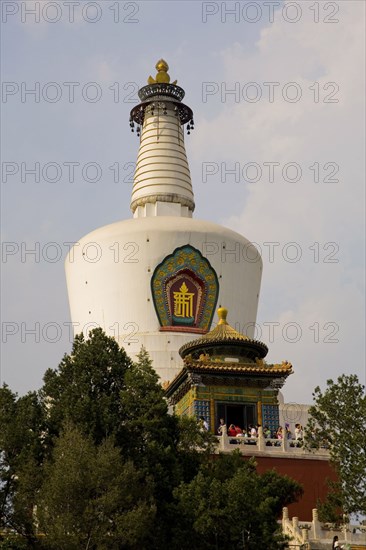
<point x="162" y="76"/>
<point x="225" y="338"/>
<point x="222" y="313"/>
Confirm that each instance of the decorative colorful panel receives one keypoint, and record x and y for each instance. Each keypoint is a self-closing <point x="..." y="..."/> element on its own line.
<point x="271" y="417"/>
<point x="185" y="289"/>
<point x="185" y="405"/>
<point x="202" y="408"/>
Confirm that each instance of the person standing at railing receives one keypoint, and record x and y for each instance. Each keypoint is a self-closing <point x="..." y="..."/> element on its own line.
<point x="279" y="436"/>
<point x="288" y="431"/>
<point x="222" y="427"/>
<point x="279" y="433"/>
<point x="239" y="431"/>
<point x="204" y="423"/>
<point x="231" y="431"/>
<point x="299" y="432"/>
<point x="252" y="431"/>
<point x="267" y="432"/>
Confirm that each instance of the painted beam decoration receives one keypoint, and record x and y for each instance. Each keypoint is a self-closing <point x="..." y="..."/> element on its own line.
<point x="185" y="289"/>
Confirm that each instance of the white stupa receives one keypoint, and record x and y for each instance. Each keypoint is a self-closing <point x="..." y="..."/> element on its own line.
<point x="156" y="279"/>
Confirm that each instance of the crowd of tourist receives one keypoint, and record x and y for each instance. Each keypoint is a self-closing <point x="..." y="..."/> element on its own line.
<point x="252" y="431"/>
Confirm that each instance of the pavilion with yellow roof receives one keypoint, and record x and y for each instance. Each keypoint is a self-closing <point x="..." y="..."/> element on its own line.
<point x="224" y="375"/>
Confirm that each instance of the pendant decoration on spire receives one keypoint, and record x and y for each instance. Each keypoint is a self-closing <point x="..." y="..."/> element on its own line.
<point x="155" y="98"/>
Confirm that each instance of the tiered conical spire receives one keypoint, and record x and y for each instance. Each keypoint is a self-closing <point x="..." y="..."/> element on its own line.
<point x="162" y="181"/>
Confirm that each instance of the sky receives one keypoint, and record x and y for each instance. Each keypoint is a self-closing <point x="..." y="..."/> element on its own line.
<point x="277" y="154"/>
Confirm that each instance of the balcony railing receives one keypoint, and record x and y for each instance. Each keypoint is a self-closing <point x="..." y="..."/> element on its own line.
<point x="268" y="447"/>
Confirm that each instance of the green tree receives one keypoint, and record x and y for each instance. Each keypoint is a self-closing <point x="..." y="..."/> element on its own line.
<point x="86" y="386"/>
<point x="169" y="449"/>
<point x="104" y="394"/>
<point x="12" y="542"/>
<point x="21" y="456"/>
<point x="149" y="431"/>
<point x="92" y="499"/>
<point x="338" y="421"/>
<point x="228" y="505"/>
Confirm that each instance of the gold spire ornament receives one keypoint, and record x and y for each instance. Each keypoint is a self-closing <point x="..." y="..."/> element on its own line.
<point x="162" y="76"/>
<point x="222" y="313"/>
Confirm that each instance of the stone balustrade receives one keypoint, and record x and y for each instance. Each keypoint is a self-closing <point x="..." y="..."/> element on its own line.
<point x="261" y="446"/>
<point x="314" y="534"/>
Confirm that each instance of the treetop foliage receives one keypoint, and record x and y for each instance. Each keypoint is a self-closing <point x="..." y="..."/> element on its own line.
<point x="338" y="422"/>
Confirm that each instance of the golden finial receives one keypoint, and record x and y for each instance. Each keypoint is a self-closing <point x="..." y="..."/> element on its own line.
<point x="162" y="76"/>
<point x="222" y="313"/>
<point x="162" y="66"/>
